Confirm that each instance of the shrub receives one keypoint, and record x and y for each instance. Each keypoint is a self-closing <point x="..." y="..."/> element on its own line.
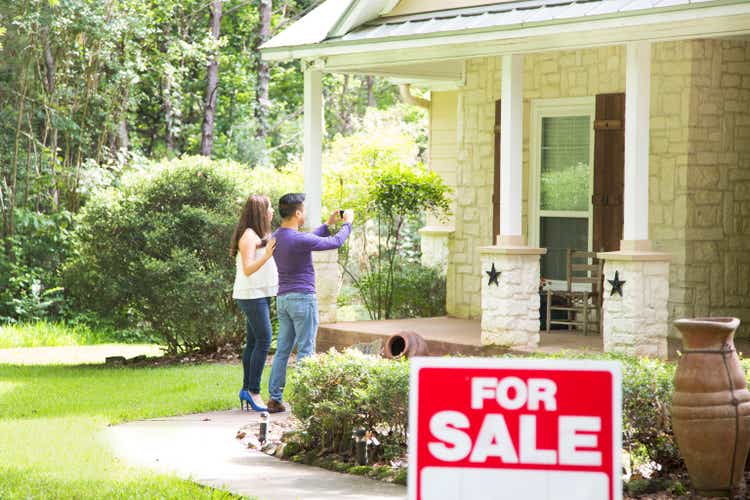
<point x="398" y="195"/>
<point x="337" y="392"/>
<point x="29" y="280"/>
<point x="418" y="291"/>
<point x="153" y="253"/>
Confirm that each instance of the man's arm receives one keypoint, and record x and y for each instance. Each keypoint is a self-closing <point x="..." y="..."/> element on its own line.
<point x="315" y="242"/>
<point x="321" y="231"/>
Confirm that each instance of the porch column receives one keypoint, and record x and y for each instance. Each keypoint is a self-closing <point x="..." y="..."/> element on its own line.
<point x="636" y="279"/>
<point x="511" y="151"/>
<point x="313" y="144"/>
<point x="327" y="272"/>
<point x="510" y="269"/>
<point x="637" y="111"/>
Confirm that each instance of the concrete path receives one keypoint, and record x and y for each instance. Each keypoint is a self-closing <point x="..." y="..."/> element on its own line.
<point x="74" y="355"/>
<point x="203" y="448"/>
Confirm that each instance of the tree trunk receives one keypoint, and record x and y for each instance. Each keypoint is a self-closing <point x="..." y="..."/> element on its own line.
<point x="261" y="89"/>
<point x="123" y="141"/>
<point x="168" y="114"/>
<point x="345" y="116"/>
<point x="212" y="86"/>
<point x="50" y="66"/>
<point x="370" y="80"/>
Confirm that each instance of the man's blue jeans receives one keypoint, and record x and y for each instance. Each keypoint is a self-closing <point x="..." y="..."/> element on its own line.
<point x="298" y="324"/>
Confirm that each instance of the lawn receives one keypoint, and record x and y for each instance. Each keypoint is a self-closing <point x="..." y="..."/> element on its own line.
<point x="44" y="334"/>
<point x="52" y="417"/>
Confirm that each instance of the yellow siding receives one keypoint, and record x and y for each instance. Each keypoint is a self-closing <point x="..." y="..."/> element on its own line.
<point x="443" y="151"/>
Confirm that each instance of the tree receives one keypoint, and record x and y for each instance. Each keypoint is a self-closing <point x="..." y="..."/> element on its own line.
<point x="261" y="89"/>
<point x="212" y="83"/>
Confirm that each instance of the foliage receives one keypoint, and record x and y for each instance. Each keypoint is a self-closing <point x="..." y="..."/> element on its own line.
<point x="351" y="163"/>
<point x="565" y="189"/>
<point x="647" y="394"/>
<point x="52" y="446"/>
<point x="28" y="279"/>
<point x="87" y="87"/>
<point x="337" y="393"/>
<point x="397" y="194"/>
<point x="153" y="253"/>
<point x="418" y="291"/>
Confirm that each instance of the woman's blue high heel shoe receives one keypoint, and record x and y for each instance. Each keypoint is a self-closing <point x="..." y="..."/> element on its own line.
<point x="247" y="398"/>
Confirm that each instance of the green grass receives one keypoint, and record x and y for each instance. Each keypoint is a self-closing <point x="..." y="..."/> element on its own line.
<point x="52" y="418"/>
<point x="42" y="334"/>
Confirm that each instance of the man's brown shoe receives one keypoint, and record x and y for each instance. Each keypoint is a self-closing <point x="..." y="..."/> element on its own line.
<point x="275" y="406"/>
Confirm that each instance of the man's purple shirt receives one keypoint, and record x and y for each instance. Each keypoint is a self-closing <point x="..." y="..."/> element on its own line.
<point x="293" y="255"/>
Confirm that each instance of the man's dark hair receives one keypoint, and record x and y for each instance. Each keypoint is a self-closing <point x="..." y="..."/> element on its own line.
<point x="290" y="203"/>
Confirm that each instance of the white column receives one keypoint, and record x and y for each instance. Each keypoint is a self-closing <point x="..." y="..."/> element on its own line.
<point x="313" y="144"/>
<point x="637" y="109"/>
<point x="511" y="150"/>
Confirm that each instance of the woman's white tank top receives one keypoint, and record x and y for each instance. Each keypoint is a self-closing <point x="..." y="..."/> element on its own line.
<point x="262" y="283"/>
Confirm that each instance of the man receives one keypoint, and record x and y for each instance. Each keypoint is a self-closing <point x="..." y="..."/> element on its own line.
<point x="296" y="302"/>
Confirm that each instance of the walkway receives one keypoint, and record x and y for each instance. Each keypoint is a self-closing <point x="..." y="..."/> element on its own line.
<point x="203" y="448"/>
<point x="74" y="355"/>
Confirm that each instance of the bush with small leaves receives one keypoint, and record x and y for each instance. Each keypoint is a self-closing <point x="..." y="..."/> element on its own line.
<point x="153" y="253"/>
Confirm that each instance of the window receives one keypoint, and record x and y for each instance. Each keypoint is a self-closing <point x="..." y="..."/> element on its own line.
<point x="561" y="155"/>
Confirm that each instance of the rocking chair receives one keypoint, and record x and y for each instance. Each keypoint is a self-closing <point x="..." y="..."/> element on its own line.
<point x="582" y="268"/>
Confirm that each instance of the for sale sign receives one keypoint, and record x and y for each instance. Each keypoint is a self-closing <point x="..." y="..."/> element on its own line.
<point x="514" y="429"/>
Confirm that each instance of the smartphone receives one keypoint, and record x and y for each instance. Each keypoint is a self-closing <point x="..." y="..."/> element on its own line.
<point x="341" y="214"/>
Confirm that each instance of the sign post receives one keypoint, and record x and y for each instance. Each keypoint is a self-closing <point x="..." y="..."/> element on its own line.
<point x="510" y="429"/>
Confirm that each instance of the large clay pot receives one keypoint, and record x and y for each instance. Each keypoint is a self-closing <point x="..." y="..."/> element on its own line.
<point x="406" y="344"/>
<point x="711" y="406"/>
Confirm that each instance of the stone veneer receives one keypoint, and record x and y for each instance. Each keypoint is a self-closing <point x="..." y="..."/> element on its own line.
<point x="699" y="186"/>
<point x="435" y="246"/>
<point x="636" y="322"/>
<point x="717" y="277"/>
<point x="510" y="309"/>
<point x="327" y="283"/>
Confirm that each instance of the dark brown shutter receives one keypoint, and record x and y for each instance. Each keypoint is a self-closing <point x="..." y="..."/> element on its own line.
<point x="496" y="180"/>
<point x="609" y="171"/>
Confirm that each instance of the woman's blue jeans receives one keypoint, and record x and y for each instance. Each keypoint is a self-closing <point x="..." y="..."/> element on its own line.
<point x="258" y="326"/>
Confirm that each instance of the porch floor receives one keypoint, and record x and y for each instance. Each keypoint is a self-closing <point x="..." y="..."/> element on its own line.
<point x="446" y="335"/>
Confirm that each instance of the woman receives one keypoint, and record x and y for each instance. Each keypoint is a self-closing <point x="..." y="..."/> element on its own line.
<point x="255" y="282"/>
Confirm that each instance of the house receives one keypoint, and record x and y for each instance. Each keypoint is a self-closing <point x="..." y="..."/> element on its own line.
<point x="618" y="126"/>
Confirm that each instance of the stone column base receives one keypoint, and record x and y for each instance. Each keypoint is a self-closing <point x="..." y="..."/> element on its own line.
<point x="434" y="241"/>
<point x="636" y="323"/>
<point x="327" y="283"/>
<point x="510" y="308"/>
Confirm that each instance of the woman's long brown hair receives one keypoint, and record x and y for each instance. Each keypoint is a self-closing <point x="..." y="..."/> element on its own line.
<point x="254" y="216"/>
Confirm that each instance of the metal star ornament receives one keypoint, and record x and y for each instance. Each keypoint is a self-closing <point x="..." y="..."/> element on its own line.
<point x="616" y="284"/>
<point x="494" y="274"/>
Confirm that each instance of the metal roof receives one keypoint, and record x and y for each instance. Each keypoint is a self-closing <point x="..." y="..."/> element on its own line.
<point x="503" y="16"/>
<point x="343" y="28"/>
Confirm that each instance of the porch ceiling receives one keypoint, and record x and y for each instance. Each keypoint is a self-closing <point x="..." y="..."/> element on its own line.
<point x="436" y="75"/>
<point x="517" y="27"/>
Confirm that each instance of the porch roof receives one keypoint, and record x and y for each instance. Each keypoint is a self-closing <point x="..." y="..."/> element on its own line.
<point x="352" y="35"/>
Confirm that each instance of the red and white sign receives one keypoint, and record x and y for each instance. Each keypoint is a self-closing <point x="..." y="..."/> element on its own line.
<point x="514" y="429"/>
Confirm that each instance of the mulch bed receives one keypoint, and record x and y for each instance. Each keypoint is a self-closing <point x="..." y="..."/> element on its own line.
<point x="224" y="354"/>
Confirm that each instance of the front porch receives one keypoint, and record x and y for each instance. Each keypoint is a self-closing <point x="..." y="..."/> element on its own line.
<point x="611" y="127"/>
<point x="446" y="335"/>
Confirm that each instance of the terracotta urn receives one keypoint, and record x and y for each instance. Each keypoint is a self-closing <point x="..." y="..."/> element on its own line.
<point x="406" y="344"/>
<point x="711" y="406"/>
